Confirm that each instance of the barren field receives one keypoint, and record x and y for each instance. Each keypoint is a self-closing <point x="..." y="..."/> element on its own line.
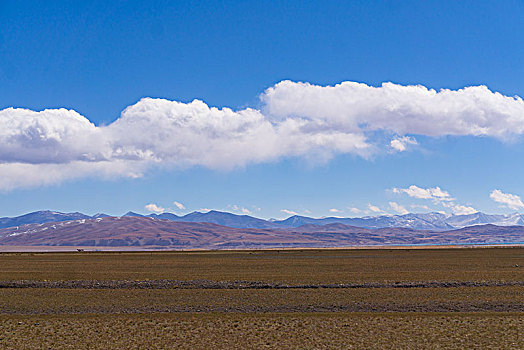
<point x="256" y="331"/>
<point x="434" y="298"/>
<point x="284" y="266"/>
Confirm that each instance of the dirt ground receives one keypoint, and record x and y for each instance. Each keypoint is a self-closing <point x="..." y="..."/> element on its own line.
<point x="256" y="331"/>
<point x="310" y="299"/>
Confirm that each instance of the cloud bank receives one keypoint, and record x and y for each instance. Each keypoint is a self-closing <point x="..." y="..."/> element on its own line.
<point x="179" y="205"/>
<point x="398" y="208"/>
<point x="152" y="207"/>
<point x="289" y="212"/>
<point x="295" y="120"/>
<point x="401" y="144"/>
<point x="511" y="201"/>
<point x="436" y="195"/>
<point x="424" y="193"/>
<point x="413" y="109"/>
<point x="374" y="208"/>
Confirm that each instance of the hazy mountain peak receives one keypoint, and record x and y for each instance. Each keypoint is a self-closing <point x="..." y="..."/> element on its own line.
<point x="420" y="221"/>
<point x="130" y="213"/>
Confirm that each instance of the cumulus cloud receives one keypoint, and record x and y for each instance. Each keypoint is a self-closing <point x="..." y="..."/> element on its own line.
<point x="401" y="144"/>
<point x="355" y="210"/>
<point x="414" y="109"/>
<point x="374" y="208"/>
<point x="435" y="193"/>
<point x="296" y="120"/>
<point x="154" y="208"/>
<point x="179" y="205"/>
<point x="48" y="137"/>
<point x="196" y="134"/>
<point x="243" y="210"/>
<point x="154" y="132"/>
<point x="511" y="201"/>
<point x="438" y="196"/>
<point x="398" y="208"/>
<point x="335" y="210"/>
<point x="462" y="209"/>
<point x="289" y="212"/>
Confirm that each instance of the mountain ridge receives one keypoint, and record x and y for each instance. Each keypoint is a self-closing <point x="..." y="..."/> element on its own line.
<point x="147" y="232"/>
<point x="418" y="221"/>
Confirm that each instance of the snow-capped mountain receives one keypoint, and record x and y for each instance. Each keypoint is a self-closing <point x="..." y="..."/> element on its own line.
<point x="416" y="221"/>
<point x="429" y="221"/>
<point x="214" y="217"/>
<point x="151" y="233"/>
<point x="41" y="217"/>
<point x="481" y="219"/>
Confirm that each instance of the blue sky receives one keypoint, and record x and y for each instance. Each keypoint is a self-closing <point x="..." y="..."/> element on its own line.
<point x="98" y="58"/>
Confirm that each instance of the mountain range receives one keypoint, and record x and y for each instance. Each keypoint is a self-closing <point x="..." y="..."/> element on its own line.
<point x="153" y="233"/>
<point x="423" y="221"/>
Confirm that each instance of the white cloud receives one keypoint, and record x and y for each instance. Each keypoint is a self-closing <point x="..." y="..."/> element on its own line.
<point x="296" y="120"/>
<point x="157" y="132"/>
<point x="335" y="210"/>
<point x="398" y="208"/>
<point x="289" y="212"/>
<point x="16" y="175"/>
<point x="419" y="206"/>
<point x="154" y="208"/>
<point x="511" y="201"/>
<point x="52" y="136"/>
<point x="435" y="193"/>
<point x="459" y="209"/>
<point x="179" y="205"/>
<point x="401" y="144"/>
<point x="241" y="209"/>
<point x="415" y="109"/>
<point x="355" y="210"/>
<point x="438" y="196"/>
<point x="374" y="208"/>
<point x="196" y="134"/>
<point x="463" y="210"/>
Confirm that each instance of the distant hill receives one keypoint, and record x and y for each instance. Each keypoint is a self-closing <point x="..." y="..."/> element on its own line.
<point x="146" y="232"/>
<point x="429" y="221"/>
<point x="225" y="219"/>
<point x="40" y="217"/>
<point x="416" y="221"/>
<point x="214" y="217"/>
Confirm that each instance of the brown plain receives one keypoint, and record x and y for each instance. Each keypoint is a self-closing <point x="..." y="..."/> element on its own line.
<point x="470" y="316"/>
